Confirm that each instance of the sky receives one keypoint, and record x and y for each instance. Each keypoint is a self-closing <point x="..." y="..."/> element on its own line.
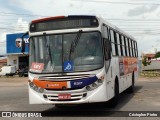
<point x="139" y="18"/>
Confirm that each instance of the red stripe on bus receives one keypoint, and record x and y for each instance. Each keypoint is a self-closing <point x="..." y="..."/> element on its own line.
<point x="49" y="18"/>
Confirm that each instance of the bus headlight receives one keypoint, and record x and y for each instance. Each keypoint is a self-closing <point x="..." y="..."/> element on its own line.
<point x="41" y="90"/>
<point x="100" y="81"/>
<point x="31" y="84"/>
<point x="88" y="88"/>
<point x="36" y="88"/>
<point x="94" y="85"/>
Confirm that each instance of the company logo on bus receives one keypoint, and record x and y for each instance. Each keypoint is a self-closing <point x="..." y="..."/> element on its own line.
<point x="52" y="85"/>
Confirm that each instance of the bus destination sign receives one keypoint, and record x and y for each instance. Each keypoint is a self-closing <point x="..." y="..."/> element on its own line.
<point x="63" y="24"/>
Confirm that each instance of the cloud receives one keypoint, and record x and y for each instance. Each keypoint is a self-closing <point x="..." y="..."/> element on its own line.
<point x="20" y="26"/>
<point x="45" y="8"/>
<point x="3" y="37"/>
<point x="147" y="44"/>
<point x="142" y="10"/>
<point x="3" y="43"/>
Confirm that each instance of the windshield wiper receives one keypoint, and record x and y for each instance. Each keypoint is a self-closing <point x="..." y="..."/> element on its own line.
<point x="74" y="43"/>
<point x="49" y="51"/>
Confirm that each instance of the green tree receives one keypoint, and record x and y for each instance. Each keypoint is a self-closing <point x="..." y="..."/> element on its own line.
<point x="157" y="55"/>
<point x="144" y="62"/>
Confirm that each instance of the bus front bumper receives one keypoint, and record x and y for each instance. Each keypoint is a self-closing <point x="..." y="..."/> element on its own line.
<point x="97" y="95"/>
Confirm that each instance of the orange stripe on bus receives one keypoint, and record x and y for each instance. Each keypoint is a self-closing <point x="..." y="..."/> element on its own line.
<point x="50" y="85"/>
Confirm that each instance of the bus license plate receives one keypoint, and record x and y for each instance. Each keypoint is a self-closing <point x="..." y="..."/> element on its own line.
<point x="64" y="96"/>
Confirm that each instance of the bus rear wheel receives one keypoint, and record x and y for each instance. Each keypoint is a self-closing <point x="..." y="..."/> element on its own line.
<point x="131" y="88"/>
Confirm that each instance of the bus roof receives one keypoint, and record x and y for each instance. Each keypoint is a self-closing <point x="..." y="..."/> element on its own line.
<point x="100" y="19"/>
<point x="114" y="27"/>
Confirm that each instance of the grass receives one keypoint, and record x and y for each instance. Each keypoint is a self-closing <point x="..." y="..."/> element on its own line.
<point x="150" y="73"/>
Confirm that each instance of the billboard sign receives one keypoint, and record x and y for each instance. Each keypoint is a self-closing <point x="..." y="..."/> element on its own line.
<point x="14" y="42"/>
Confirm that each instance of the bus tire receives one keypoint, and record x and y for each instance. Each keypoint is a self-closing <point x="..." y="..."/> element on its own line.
<point x="131" y="88"/>
<point x="114" y="101"/>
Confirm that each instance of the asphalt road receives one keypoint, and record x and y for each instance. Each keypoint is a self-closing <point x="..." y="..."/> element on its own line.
<point x="14" y="97"/>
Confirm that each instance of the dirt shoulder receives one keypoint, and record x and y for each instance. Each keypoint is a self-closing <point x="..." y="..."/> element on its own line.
<point x="148" y="79"/>
<point x="13" y="81"/>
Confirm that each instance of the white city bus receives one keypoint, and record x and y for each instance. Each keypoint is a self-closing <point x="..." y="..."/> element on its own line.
<point x="79" y="59"/>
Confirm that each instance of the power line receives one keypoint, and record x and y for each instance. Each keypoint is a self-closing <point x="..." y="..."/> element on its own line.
<point x="131" y="22"/>
<point x="110" y="19"/>
<point x="21" y="14"/>
<point x="138" y="29"/>
<point x="140" y="34"/>
<point x="118" y="19"/>
<point x="130" y="3"/>
<point x="148" y="25"/>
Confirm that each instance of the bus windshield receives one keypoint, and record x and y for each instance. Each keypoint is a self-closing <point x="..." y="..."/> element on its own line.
<point x="51" y="51"/>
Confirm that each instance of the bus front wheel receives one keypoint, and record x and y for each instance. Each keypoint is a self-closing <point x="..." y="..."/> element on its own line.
<point x="114" y="101"/>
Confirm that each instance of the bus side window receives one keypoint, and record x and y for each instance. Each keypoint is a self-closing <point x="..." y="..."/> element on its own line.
<point x="116" y="44"/>
<point x="132" y="48"/>
<point x="120" y="42"/>
<point x="129" y="47"/>
<point x="105" y="32"/>
<point x="107" y="44"/>
<point x="112" y="42"/>
<point x="136" y="49"/>
<point x="126" y="46"/>
<point x="134" y="44"/>
<point x="123" y="45"/>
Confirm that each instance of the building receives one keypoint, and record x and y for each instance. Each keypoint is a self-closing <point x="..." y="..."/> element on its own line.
<point x="149" y="56"/>
<point x="3" y="62"/>
<point x="14" y="55"/>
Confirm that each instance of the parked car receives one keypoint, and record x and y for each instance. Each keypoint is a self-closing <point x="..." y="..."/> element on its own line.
<point x="8" y="71"/>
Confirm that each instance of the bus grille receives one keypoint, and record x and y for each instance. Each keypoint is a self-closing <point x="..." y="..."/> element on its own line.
<point x="74" y="97"/>
<point x="65" y="77"/>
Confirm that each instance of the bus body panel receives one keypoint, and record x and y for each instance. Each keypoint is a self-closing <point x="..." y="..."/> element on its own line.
<point x="102" y="93"/>
<point x="96" y="95"/>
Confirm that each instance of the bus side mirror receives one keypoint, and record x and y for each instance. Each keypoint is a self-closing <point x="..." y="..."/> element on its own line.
<point x="23" y="42"/>
<point x="108" y="49"/>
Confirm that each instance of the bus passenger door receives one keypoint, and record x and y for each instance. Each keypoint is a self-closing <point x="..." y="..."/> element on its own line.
<point x="108" y="67"/>
<point x="107" y="56"/>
